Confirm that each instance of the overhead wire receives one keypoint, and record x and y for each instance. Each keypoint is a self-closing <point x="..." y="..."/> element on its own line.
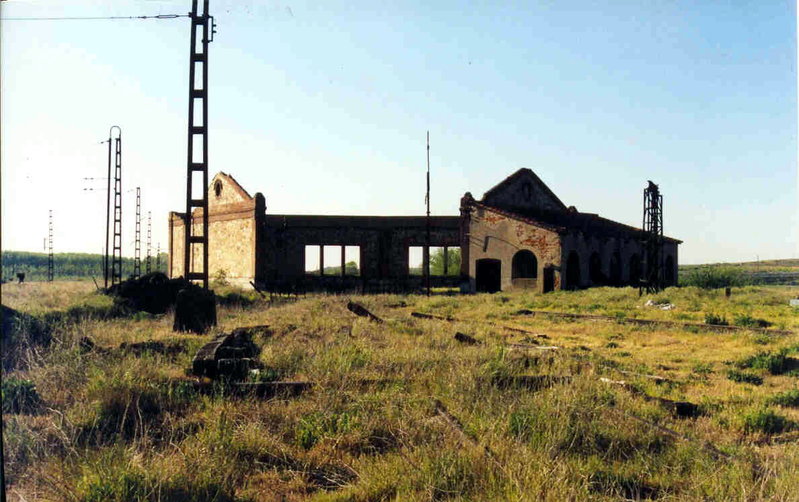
<point x="92" y="18"/>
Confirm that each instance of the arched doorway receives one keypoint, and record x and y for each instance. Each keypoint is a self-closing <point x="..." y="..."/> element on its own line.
<point x="635" y="270"/>
<point x="573" y="271"/>
<point x="488" y="275"/>
<point x="615" y="269"/>
<point x="668" y="273"/>
<point x="595" y="270"/>
<point x="524" y="269"/>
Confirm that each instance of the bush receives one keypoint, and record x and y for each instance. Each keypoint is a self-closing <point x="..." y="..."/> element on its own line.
<point x="718" y="320"/>
<point x="789" y="398"/>
<point x="775" y="363"/>
<point x="765" y="421"/>
<point x="713" y="278"/>
<point x="19" y="396"/>
<point x="747" y="321"/>
<point x="742" y="377"/>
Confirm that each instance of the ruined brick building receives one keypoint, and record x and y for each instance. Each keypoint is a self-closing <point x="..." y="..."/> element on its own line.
<point x="518" y="236"/>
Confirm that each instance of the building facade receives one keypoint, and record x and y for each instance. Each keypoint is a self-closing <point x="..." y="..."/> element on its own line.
<point x="518" y="236"/>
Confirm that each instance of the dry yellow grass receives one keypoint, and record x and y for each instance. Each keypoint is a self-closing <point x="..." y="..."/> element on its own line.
<point x="120" y="427"/>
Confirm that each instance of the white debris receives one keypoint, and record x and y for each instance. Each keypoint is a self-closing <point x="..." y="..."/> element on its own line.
<point x="661" y="306"/>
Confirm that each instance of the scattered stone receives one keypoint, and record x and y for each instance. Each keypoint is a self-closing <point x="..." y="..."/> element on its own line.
<point x="661" y="306"/>
<point x="195" y="310"/>
<point x="464" y="338"/>
<point x="228" y="356"/>
<point x="361" y="311"/>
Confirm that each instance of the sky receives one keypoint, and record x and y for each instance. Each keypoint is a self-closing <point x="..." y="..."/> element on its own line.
<point x="324" y="106"/>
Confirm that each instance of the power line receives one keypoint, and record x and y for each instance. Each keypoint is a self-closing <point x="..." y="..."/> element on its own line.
<point x="92" y="18"/>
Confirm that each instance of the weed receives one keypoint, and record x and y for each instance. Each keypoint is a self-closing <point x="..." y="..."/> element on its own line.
<point x="747" y="321"/>
<point x="703" y="368"/>
<point x="19" y="396"/>
<point x="715" y="319"/>
<point x="775" y="363"/>
<point x="317" y="426"/>
<point x="765" y="421"/>
<point x="742" y="377"/>
<point x="789" y="398"/>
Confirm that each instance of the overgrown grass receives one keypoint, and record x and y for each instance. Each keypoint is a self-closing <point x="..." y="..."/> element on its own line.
<point x="521" y="423"/>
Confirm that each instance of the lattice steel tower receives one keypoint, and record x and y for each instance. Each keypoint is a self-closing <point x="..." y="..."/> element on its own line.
<point x="50" y="261"/>
<point x="137" y="237"/>
<point x="197" y="162"/>
<point x="158" y="257"/>
<point x="653" y="239"/>
<point x="149" y="247"/>
<point x="115" y="147"/>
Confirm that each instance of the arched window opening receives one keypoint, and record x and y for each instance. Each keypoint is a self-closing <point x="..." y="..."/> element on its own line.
<point x="218" y="188"/>
<point x="525" y="265"/>
<point x="573" y="271"/>
<point x="615" y="269"/>
<point x="595" y="269"/>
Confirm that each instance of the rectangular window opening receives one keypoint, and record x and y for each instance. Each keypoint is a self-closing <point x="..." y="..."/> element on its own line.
<point x="454" y="261"/>
<point x="415" y="260"/>
<point x="332" y="256"/>
<point x="436" y="261"/>
<point x="352" y="260"/>
<point x="312" y="258"/>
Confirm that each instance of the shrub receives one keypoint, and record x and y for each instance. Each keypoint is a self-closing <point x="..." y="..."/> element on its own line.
<point x="747" y="321"/>
<point x="775" y="363"/>
<point x="219" y="278"/>
<point x="703" y="368"/>
<point x="718" y="320"/>
<point x="788" y="398"/>
<point x="713" y="278"/>
<point x="742" y="377"/>
<point x="19" y="396"/>
<point x="765" y="421"/>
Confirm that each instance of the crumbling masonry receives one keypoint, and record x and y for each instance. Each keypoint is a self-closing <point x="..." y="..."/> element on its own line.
<point x="518" y="236"/>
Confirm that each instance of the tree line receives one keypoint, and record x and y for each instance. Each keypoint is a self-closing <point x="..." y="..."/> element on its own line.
<point x="67" y="266"/>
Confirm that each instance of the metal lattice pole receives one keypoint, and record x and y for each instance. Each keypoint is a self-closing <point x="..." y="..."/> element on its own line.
<point x="158" y="257"/>
<point x="116" y="259"/>
<point x="137" y="237"/>
<point x="50" y="261"/>
<point x="197" y="162"/>
<point x="106" y="257"/>
<point x="653" y="239"/>
<point x="149" y="242"/>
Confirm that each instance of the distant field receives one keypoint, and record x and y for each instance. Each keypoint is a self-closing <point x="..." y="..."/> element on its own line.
<point x="402" y="411"/>
<point x="775" y="272"/>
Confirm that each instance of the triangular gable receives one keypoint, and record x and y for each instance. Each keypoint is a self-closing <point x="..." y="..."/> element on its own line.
<point x="225" y="190"/>
<point x="523" y="191"/>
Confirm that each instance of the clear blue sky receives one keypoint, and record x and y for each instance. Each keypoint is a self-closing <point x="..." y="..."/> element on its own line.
<point x="323" y="107"/>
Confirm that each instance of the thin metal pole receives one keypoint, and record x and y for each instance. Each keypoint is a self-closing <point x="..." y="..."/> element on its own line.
<point x="107" y="211"/>
<point x="427" y="220"/>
